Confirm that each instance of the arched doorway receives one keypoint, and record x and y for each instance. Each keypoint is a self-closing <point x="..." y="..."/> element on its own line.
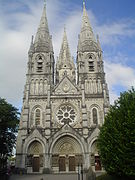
<point x="35" y="156"/>
<point x="95" y="158"/>
<point x="66" y="155"/>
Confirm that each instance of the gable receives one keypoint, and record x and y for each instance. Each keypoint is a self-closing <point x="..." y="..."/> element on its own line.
<point x="66" y="87"/>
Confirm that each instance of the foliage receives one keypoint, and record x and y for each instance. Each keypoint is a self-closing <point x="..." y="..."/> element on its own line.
<point x="110" y="177"/>
<point x="9" y="119"/>
<point x="116" y="141"/>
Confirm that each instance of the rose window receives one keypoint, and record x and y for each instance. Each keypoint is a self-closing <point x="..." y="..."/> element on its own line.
<point x="66" y="114"/>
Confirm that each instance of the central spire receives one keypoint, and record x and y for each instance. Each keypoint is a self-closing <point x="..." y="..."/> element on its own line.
<point x="65" y="56"/>
<point x="65" y="63"/>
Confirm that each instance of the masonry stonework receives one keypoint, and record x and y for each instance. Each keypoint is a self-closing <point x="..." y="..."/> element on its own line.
<point x="64" y="105"/>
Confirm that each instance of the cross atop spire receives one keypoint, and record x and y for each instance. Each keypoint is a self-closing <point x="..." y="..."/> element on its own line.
<point x="44" y="2"/>
<point x="83" y="3"/>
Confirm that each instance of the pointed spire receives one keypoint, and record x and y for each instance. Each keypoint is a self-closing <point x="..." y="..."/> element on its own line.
<point x="98" y="43"/>
<point x="86" y="35"/>
<point x="31" y="50"/>
<point x="86" y="26"/>
<point x="43" y="38"/>
<point x="65" y="64"/>
<point x="65" y="55"/>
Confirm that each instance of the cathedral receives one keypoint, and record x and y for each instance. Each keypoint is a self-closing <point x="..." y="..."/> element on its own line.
<point x="64" y="103"/>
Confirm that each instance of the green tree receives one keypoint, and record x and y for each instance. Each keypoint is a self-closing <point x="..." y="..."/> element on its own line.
<point x="116" y="141"/>
<point x="9" y="119"/>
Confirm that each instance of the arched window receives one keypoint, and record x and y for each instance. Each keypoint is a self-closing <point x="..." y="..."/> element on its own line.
<point x="90" y="63"/>
<point x="39" y="64"/>
<point x="95" y="116"/>
<point x="37" y="117"/>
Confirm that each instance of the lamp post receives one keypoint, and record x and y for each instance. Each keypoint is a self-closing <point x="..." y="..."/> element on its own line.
<point x="82" y="171"/>
<point x="78" y="172"/>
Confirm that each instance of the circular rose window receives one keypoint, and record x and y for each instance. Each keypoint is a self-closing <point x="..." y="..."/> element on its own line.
<point x="66" y="114"/>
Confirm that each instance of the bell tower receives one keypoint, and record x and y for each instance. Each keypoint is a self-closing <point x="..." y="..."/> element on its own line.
<point x="90" y="69"/>
<point x="41" y="56"/>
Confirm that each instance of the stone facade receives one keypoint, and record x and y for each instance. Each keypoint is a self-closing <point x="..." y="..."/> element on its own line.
<point x="64" y="105"/>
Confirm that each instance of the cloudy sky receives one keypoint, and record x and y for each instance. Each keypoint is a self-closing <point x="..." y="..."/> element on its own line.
<point x="113" y="20"/>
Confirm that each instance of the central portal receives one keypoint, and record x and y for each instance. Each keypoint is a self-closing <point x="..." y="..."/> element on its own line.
<point x="66" y="155"/>
<point x="62" y="164"/>
<point x="67" y="163"/>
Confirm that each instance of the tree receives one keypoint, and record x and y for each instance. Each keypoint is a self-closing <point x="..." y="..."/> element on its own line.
<point x="9" y="119"/>
<point x="116" y="140"/>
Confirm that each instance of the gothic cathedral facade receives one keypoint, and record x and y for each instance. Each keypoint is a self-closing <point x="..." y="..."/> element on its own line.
<point x="64" y="105"/>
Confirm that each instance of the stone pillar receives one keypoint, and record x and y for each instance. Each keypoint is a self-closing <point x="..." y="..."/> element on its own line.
<point x="48" y="115"/>
<point x="84" y="114"/>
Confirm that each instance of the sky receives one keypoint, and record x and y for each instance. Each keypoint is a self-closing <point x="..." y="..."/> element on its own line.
<point x="113" y="20"/>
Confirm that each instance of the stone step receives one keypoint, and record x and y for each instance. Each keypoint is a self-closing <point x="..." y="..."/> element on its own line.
<point x="61" y="176"/>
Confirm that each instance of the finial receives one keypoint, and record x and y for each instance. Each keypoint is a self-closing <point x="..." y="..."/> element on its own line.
<point x="64" y="27"/>
<point x="83" y="3"/>
<point x="44" y="2"/>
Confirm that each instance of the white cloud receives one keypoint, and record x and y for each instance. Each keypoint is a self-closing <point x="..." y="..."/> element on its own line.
<point x="112" y="33"/>
<point x="118" y="75"/>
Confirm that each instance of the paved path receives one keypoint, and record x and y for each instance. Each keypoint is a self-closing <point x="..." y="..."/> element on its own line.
<point x="45" y="177"/>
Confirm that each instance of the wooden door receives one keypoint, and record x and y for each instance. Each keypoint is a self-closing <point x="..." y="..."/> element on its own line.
<point x="71" y="163"/>
<point x="62" y="164"/>
<point x="36" y="164"/>
<point x="97" y="163"/>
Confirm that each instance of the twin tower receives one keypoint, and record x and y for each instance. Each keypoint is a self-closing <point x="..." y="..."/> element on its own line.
<point x="64" y="105"/>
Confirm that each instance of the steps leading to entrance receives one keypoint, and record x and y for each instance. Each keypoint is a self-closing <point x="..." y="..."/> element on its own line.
<point x="62" y="176"/>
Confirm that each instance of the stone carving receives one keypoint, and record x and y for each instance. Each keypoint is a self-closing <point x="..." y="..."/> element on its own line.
<point x="66" y="148"/>
<point x="66" y="87"/>
<point x="66" y="114"/>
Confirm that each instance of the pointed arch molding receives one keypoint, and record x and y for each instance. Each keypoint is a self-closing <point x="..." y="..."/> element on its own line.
<point x="99" y="113"/>
<point x="67" y="138"/>
<point x="93" y="138"/>
<point x="32" y="117"/>
<point x="35" y="136"/>
<point x="66" y="144"/>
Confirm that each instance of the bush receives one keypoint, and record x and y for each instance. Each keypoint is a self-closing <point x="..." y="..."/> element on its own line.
<point x="110" y="177"/>
<point x="116" y="142"/>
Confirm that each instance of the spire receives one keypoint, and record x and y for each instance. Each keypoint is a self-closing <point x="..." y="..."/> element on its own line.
<point x="86" y="35"/>
<point x="43" y="38"/>
<point x="86" y="26"/>
<point x="65" y="63"/>
<point x="65" y="55"/>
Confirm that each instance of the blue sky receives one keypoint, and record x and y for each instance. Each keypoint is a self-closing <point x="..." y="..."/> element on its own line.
<point x="113" y="20"/>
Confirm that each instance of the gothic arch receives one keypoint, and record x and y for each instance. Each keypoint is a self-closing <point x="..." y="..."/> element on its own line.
<point x="66" y="152"/>
<point x="40" y="55"/>
<point x="92" y="144"/>
<point x="90" y="55"/>
<point x="98" y="110"/>
<point x="52" y="145"/>
<point x="35" y="148"/>
<point x="33" y="112"/>
<point x="38" y="139"/>
<point x="66" y="144"/>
